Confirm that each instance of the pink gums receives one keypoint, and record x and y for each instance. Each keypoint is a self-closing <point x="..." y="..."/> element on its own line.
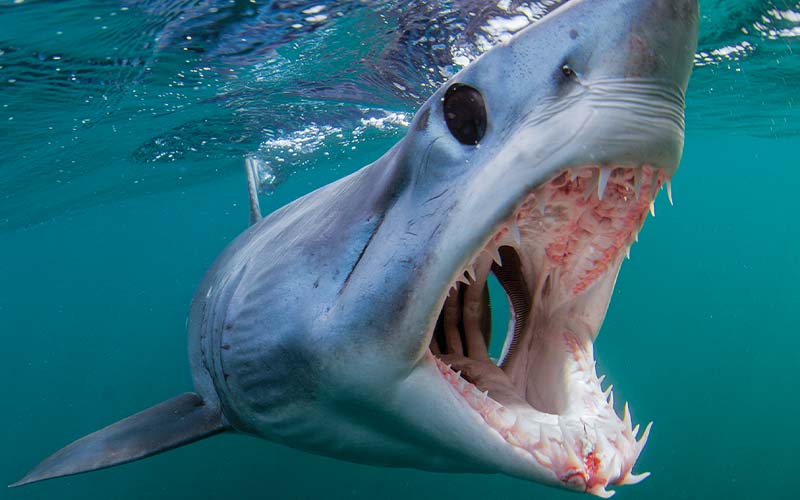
<point x="583" y="233"/>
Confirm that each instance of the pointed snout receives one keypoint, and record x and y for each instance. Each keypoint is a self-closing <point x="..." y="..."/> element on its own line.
<point x="662" y="39"/>
<point x="615" y="39"/>
<point x="634" y="39"/>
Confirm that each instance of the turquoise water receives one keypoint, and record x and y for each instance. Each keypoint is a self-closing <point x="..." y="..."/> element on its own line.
<point x="118" y="189"/>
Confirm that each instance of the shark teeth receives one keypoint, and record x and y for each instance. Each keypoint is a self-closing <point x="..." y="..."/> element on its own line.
<point x="602" y="181"/>
<point x="494" y="253"/>
<point x="470" y="272"/>
<point x="576" y="452"/>
<point x="597" y="181"/>
<point x="637" y="182"/>
<point x="626" y="418"/>
<point x="596" y="449"/>
<point x="669" y="192"/>
<point x="601" y="491"/>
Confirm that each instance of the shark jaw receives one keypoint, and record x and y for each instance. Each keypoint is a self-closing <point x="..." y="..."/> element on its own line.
<point x="557" y="257"/>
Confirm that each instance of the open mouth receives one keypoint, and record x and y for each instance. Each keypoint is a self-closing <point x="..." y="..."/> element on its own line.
<point x="557" y="259"/>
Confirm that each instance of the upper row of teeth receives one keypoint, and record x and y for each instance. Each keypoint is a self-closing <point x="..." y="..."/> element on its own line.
<point x="602" y="175"/>
<point x="512" y="236"/>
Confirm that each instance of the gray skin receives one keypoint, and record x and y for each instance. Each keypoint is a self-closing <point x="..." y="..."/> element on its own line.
<point x="312" y="328"/>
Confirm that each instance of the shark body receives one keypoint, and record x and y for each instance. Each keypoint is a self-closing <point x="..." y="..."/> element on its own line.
<point x="354" y="322"/>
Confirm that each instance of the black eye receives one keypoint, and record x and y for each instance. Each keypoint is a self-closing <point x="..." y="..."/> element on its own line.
<point x="465" y="114"/>
<point x="567" y="71"/>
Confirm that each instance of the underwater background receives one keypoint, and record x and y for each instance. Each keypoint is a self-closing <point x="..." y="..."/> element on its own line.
<point x="124" y="127"/>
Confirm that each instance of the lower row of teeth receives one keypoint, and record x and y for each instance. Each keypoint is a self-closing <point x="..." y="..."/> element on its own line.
<point x="578" y="460"/>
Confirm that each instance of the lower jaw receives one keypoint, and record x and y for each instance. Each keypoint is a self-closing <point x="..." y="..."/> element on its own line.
<point x="585" y="453"/>
<point x="571" y="235"/>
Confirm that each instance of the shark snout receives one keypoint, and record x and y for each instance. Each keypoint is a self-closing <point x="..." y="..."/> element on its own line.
<point x="683" y="11"/>
<point x="680" y="15"/>
<point x="623" y="39"/>
<point x="662" y="39"/>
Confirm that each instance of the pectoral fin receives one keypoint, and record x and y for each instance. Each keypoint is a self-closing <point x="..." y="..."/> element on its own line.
<point x="173" y="423"/>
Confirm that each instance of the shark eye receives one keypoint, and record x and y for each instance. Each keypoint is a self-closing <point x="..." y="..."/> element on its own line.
<point x="465" y="114"/>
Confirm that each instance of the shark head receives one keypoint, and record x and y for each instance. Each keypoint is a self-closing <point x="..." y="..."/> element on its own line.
<point x="538" y="163"/>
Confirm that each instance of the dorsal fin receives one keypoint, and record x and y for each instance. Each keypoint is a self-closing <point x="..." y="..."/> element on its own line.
<point x="173" y="423"/>
<point x="251" y="167"/>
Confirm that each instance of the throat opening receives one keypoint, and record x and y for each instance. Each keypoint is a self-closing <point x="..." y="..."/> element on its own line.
<point x="498" y="308"/>
<point x="499" y="341"/>
<point x="466" y="335"/>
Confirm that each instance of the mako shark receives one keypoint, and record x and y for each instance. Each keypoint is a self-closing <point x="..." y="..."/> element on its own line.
<point x="354" y="322"/>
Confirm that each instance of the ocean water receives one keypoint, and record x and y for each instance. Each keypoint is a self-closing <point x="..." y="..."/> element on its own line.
<point x="123" y="132"/>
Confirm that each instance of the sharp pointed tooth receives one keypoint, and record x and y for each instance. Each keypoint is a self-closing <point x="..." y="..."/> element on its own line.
<point x="513" y="229"/>
<point x="626" y="417"/>
<point x="463" y="279"/>
<point x="643" y="441"/>
<point x="628" y="253"/>
<point x="601" y="491"/>
<point x="653" y="208"/>
<point x="513" y="440"/>
<point x="600" y="379"/>
<point x="636" y="236"/>
<point x="669" y="192"/>
<point x="495" y="253"/>
<point x="635" y="431"/>
<point x="632" y="478"/>
<point x="571" y="456"/>
<point x="471" y="273"/>
<point x="592" y="186"/>
<point x="542" y="458"/>
<point x="611" y="399"/>
<point x="655" y="184"/>
<point x="602" y="181"/>
<point x="546" y="433"/>
<point x="637" y="181"/>
<point x="607" y="392"/>
<point x="501" y="419"/>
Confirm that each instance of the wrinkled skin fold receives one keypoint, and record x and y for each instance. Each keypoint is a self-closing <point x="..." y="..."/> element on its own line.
<point x="354" y="322"/>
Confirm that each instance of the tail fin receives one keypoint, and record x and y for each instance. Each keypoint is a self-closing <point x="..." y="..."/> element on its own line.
<point x="173" y="423"/>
